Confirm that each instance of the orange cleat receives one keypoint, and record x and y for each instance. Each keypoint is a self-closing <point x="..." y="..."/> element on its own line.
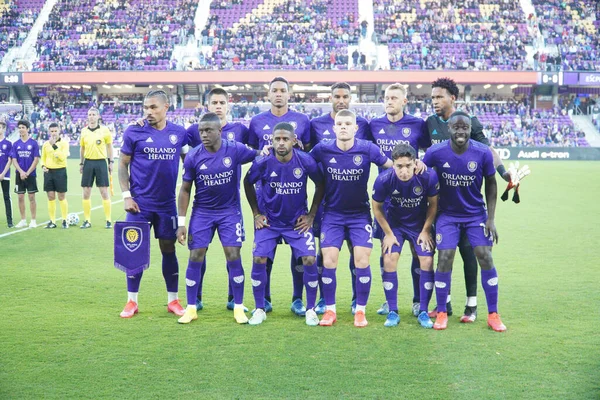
<point x="495" y="323"/>
<point x="328" y="319"/>
<point x="441" y="321"/>
<point x="360" y="321"/>
<point x="130" y="309"/>
<point x="175" y="308"/>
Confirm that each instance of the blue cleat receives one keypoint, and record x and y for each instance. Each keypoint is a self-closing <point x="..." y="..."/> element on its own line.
<point x="384" y="309"/>
<point x="199" y="305"/>
<point x="231" y="305"/>
<point x="424" y="320"/>
<point x="393" y="319"/>
<point x="353" y="307"/>
<point x="268" y="306"/>
<point x="321" y="306"/>
<point x="298" y="308"/>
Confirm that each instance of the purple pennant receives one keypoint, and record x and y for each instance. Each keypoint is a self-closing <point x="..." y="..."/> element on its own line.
<point x="132" y="246"/>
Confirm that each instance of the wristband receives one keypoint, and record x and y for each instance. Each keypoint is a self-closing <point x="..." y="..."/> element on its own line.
<point x="126" y="194"/>
<point x="501" y="170"/>
<point x="181" y="220"/>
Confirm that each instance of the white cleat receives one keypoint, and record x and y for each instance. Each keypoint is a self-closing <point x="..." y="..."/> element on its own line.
<point x="258" y="317"/>
<point x="312" y="319"/>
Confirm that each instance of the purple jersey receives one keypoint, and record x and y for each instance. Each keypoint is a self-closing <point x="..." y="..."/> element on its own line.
<point x="283" y="186"/>
<point x="25" y="153"/>
<point x="5" y="150"/>
<point x="321" y="128"/>
<point x="406" y="201"/>
<point x="261" y="127"/>
<point x="347" y="174"/>
<point x="231" y="131"/>
<point x="154" y="163"/>
<point x="216" y="176"/>
<point x="461" y="177"/>
<point x="408" y="130"/>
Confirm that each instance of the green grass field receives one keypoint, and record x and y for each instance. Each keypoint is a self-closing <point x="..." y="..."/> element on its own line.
<point x="61" y="336"/>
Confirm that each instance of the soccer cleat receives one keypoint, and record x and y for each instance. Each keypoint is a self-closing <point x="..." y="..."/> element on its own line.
<point x="424" y="320"/>
<point x="10" y="225"/>
<point x="189" y="315"/>
<point x="33" y="224"/>
<point x="175" y="308"/>
<point x="108" y="225"/>
<point x="416" y="307"/>
<point x="50" y="225"/>
<point x="470" y="315"/>
<point x="311" y="318"/>
<point x="353" y="307"/>
<point x="231" y="306"/>
<point x="441" y="321"/>
<point x="238" y="314"/>
<point x="130" y="309"/>
<point x="298" y="308"/>
<point x="433" y="313"/>
<point x="384" y="309"/>
<point x="65" y="225"/>
<point x="495" y="323"/>
<point x="268" y="306"/>
<point x="21" y="224"/>
<point x="328" y="319"/>
<point x="360" y="321"/>
<point x="320" y="308"/>
<point x="393" y="319"/>
<point x="258" y="317"/>
<point x="199" y="305"/>
<point x="86" y="225"/>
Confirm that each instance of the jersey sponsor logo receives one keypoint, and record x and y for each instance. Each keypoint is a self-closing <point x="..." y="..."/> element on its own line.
<point x="266" y="127"/>
<point x="418" y="190"/>
<point x="472" y="166"/>
<point x="203" y="166"/>
<point x="227" y="162"/>
<point x="332" y="161"/>
<point x="382" y="131"/>
<point x="298" y="173"/>
<point x="357" y="160"/>
<point x="149" y="140"/>
<point x="273" y="174"/>
<point x="230" y="136"/>
<point x="406" y="132"/>
<point x="173" y="139"/>
<point x="446" y="165"/>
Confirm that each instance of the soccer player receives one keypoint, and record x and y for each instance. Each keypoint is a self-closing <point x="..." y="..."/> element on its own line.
<point x="213" y="168"/>
<point x="96" y="152"/>
<point x="347" y="163"/>
<point x="321" y="129"/>
<point x="260" y="135"/>
<point x="405" y="205"/>
<point x="462" y="166"/>
<point x="391" y="129"/>
<point x="54" y="164"/>
<point x="25" y="154"/>
<point x="5" y="162"/>
<point x="148" y="169"/>
<point x="283" y="214"/>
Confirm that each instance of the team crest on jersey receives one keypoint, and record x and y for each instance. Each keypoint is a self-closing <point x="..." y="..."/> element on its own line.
<point x="227" y="162"/>
<point x="230" y="136"/>
<point x="418" y="190"/>
<point x="173" y="139"/>
<point x="472" y="166"/>
<point x="438" y="238"/>
<point x="357" y="160"/>
<point x="298" y="173"/>
<point x="132" y="238"/>
<point x="322" y="236"/>
<point x="294" y="124"/>
<point x="28" y="147"/>
<point x="406" y="132"/>
<point x="3" y="147"/>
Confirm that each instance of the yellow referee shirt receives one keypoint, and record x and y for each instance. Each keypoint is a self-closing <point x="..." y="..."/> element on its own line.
<point x="55" y="158"/>
<point x="94" y="142"/>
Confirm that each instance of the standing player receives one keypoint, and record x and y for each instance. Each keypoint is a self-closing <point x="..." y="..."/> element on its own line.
<point x="347" y="164"/>
<point x="462" y="165"/>
<point x="54" y="163"/>
<point x="5" y="161"/>
<point x="148" y="169"/>
<point x="321" y="129"/>
<point x="213" y="167"/>
<point x="405" y="205"/>
<point x="260" y="135"/>
<point x="283" y="214"/>
<point x="25" y="154"/>
<point x="394" y="128"/>
<point x="96" y="152"/>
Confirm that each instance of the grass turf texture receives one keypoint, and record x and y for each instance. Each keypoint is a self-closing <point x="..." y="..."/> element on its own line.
<point x="62" y="338"/>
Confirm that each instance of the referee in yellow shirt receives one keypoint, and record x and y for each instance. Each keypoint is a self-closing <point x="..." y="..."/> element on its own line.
<point x="96" y="151"/>
<point x="54" y="163"/>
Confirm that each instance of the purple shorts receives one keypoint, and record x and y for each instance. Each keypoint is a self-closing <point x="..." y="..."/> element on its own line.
<point x="402" y="235"/>
<point x="336" y="228"/>
<point x="203" y="227"/>
<point x="163" y="222"/>
<point x="266" y="240"/>
<point x="448" y="231"/>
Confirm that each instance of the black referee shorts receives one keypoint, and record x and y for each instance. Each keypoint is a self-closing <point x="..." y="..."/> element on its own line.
<point x="95" y="170"/>
<point x="28" y="184"/>
<point x="55" y="180"/>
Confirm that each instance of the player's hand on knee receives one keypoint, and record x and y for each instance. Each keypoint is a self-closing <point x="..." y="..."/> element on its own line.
<point x="388" y="242"/>
<point x="490" y="229"/>
<point x="181" y="235"/>
<point x="260" y="221"/>
<point x="425" y="241"/>
<point x="304" y="223"/>
<point x="131" y="205"/>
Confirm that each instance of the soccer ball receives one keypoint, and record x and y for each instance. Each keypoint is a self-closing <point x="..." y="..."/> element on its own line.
<point x="72" y="219"/>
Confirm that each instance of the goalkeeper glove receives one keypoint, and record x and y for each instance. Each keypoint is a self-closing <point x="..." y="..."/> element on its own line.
<point x="516" y="176"/>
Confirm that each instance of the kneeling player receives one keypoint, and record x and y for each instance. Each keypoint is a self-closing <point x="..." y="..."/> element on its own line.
<point x="412" y="205"/>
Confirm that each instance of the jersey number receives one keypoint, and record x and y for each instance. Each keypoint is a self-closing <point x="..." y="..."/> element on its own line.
<point x="369" y="229"/>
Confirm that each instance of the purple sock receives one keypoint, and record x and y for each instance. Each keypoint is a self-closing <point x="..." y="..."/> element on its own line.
<point x="489" y="281"/>
<point x="193" y="281"/>
<point x="133" y="282"/>
<point x="442" y="288"/>
<point x="352" y="275"/>
<point x="236" y="279"/>
<point x="426" y="289"/>
<point x="320" y="272"/>
<point x="329" y="285"/>
<point x="268" y="285"/>
<point x="170" y="270"/>
<point x="202" y="272"/>
<point x="390" y="288"/>
<point x="259" y="281"/>
<point x="363" y="285"/>
<point x="311" y="282"/>
<point x="297" y="277"/>
<point x="415" y="271"/>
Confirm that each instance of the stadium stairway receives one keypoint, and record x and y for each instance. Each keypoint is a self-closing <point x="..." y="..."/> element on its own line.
<point x="24" y="95"/>
<point x="584" y="123"/>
